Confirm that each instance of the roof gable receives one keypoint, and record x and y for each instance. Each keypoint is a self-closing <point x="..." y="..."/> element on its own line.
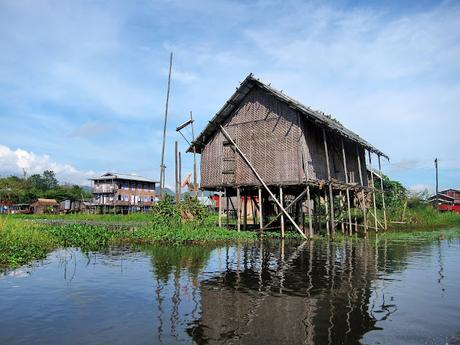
<point x="315" y="116"/>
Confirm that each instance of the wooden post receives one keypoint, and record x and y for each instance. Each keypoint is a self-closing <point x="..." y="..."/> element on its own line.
<point x="288" y="216"/>
<point x="341" y="209"/>
<point x="180" y="175"/>
<point x="227" y="207"/>
<point x="176" y="171"/>
<point x="245" y="210"/>
<point x="220" y="209"/>
<point x="310" y="220"/>
<point x="326" y="204"/>
<point x="383" y="195"/>
<point x="373" y="189"/>
<point x="238" y="209"/>
<point x="261" y="206"/>
<point x="348" y="189"/>
<point x="282" y="216"/>
<point x="195" y="184"/>
<point x="362" y="185"/>
<point x="331" y="196"/>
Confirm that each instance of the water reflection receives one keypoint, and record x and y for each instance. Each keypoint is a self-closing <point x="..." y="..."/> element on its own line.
<point x="273" y="292"/>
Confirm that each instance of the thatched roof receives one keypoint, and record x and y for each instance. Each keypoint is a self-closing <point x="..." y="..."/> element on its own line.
<point x="315" y="116"/>
<point x="45" y="202"/>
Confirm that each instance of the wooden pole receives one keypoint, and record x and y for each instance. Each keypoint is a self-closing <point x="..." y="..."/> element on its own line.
<point x="362" y="185"/>
<point x="180" y="175"/>
<point x="373" y="189"/>
<point x="437" y="183"/>
<point x="310" y="220"/>
<point x="383" y="195"/>
<point x="227" y="207"/>
<point x="341" y="209"/>
<point x="331" y="196"/>
<point x="326" y="204"/>
<point x="261" y="215"/>
<point x="245" y="210"/>
<point x="162" y="166"/>
<point x="348" y="189"/>
<point x="229" y="138"/>
<point x="220" y="209"/>
<point x="176" y="171"/>
<point x="238" y="209"/>
<point x="282" y="216"/>
<point x="195" y="184"/>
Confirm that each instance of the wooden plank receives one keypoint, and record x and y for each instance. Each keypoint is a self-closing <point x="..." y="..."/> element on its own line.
<point x="282" y="216"/>
<point x="261" y="207"/>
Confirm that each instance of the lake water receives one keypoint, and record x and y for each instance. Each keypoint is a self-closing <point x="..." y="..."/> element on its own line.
<point x="272" y="292"/>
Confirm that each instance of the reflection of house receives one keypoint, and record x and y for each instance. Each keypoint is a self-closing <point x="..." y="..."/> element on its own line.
<point x="44" y="206"/>
<point x="123" y="192"/>
<point x="448" y="200"/>
<point x="291" y="301"/>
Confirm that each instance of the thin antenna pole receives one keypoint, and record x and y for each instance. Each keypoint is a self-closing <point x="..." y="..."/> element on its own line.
<point x="162" y="167"/>
<point x="195" y="186"/>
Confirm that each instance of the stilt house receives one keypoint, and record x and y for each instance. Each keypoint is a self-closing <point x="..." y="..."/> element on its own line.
<point x="266" y="144"/>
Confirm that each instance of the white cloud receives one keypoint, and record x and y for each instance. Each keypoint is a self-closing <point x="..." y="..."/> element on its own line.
<point x="16" y="161"/>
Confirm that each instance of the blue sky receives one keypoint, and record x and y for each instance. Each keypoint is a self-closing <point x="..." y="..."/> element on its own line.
<point x="82" y="83"/>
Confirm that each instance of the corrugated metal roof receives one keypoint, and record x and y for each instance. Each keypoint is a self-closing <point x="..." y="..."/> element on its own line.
<point x="129" y="177"/>
<point x="316" y="116"/>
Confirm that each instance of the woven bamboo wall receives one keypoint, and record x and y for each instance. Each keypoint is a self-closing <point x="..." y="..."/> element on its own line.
<point x="275" y="138"/>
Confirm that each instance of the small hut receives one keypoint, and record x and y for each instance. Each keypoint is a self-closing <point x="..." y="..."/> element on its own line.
<point x="265" y="146"/>
<point x="42" y="206"/>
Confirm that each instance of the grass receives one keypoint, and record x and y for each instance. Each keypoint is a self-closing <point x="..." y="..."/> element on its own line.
<point x="22" y="241"/>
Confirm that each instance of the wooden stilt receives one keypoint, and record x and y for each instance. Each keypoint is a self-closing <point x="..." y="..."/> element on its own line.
<point x="238" y="209"/>
<point x="310" y="220"/>
<point x="373" y="189"/>
<point x="220" y="209"/>
<point x="383" y="195"/>
<point x="282" y="216"/>
<point x="342" y="223"/>
<point x="176" y="166"/>
<point x="245" y="210"/>
<point x="326" y="204"/>
<point x="346" y="181"/>
<point x="261" y="207"/>
<point x="362" y="192"/>
<point x="331" y="196"/>
<point x="227" y="199"/>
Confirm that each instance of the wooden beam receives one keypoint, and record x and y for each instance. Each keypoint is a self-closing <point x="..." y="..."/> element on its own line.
<point x="363" y="194"/>
<point x="331" y="196"/>
<point x="227" y="199"/>
<point x="282" y="216"/>
<point x="310" y="220"/>
<point x="383" y="195"/>
<point x="261" y="180"/>
<point x="348" y="189"/>
<point x="176" y="170"/>
<point x="326" y="204"/>
<point x="373" y="189"/>
<point x="245" y="209"/>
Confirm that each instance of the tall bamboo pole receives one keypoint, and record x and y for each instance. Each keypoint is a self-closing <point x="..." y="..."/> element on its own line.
<point x="373" y="189"/>
<point x="383" y="195"/>
<point x="162" y="166"/>
<point x="331" y="196"/>
<point x="176" y="171"/>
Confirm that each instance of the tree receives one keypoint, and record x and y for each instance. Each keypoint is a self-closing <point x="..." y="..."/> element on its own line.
<point x="49" y="179"/>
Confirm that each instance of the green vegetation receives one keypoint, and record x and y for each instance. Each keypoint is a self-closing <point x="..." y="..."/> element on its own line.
<point x="26" y="190"/>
